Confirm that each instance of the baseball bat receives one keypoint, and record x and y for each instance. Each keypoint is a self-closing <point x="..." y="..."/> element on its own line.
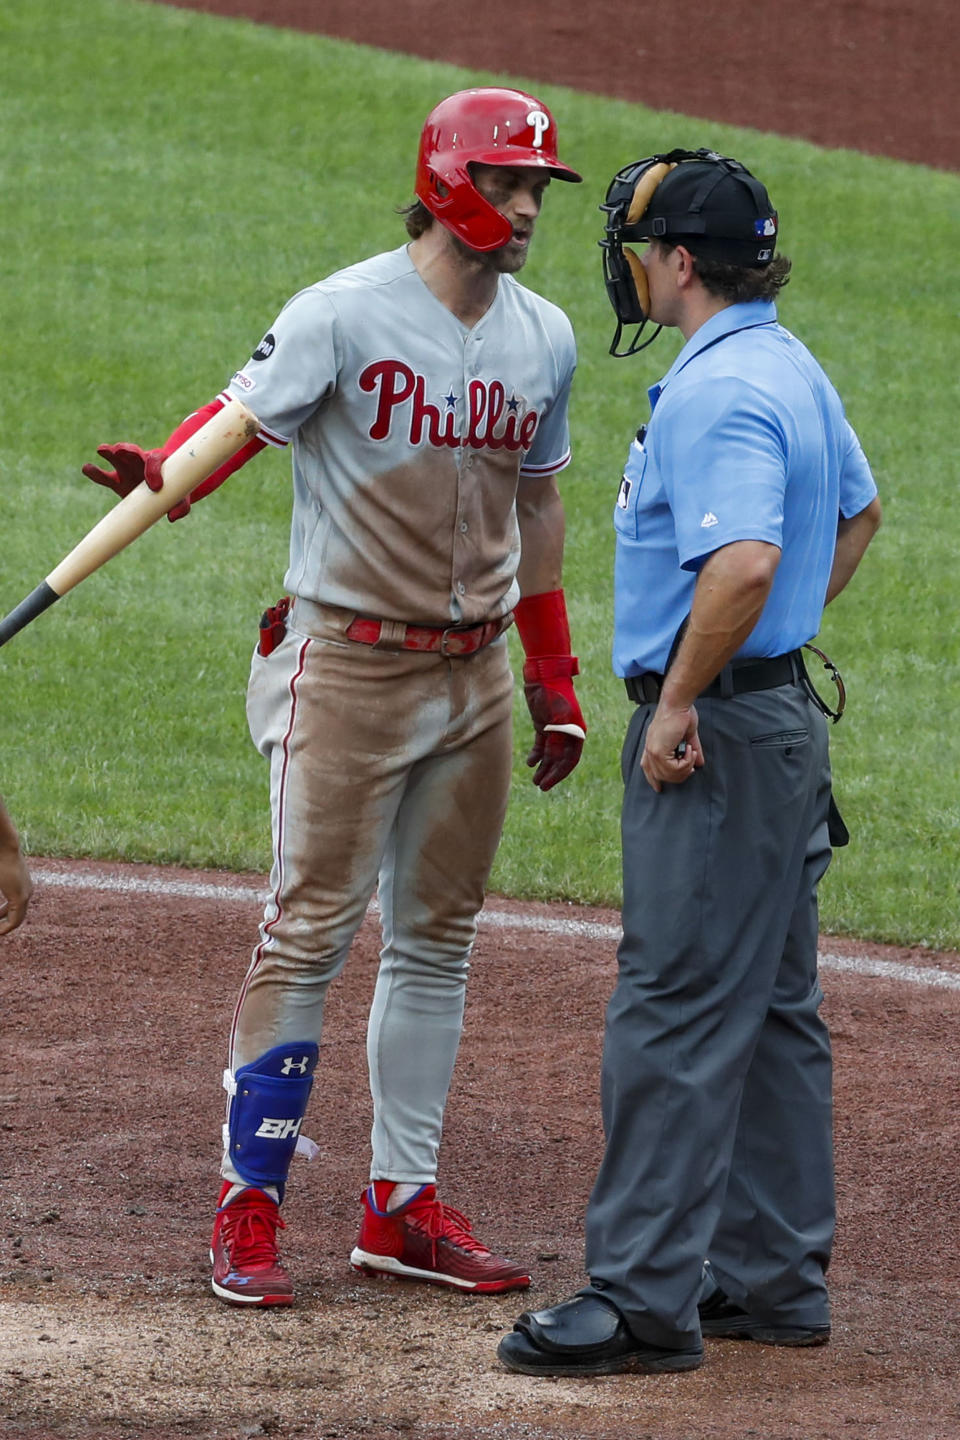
<point x="205" y="451"/>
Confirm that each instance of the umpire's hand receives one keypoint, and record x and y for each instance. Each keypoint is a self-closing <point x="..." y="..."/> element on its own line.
<point x="671" y="750"/>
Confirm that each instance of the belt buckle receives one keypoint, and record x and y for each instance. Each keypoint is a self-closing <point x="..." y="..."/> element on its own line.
<point x="452" y="630"/>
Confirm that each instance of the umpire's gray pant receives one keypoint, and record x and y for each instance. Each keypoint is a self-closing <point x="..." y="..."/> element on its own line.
<point x="716" y="1066"/>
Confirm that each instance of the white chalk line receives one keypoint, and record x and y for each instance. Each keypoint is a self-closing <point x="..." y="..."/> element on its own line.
<point x="928" y="976"/>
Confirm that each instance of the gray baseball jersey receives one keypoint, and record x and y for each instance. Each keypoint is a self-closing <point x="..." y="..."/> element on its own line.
<point x="409" y="434"/>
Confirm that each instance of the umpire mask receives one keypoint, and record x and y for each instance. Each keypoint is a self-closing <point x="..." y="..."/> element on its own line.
<point x="708" y="202"/>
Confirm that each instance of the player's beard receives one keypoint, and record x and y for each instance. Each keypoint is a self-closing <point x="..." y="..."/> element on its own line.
<point x="510" y="257"/>
<point x="506" y="260"/>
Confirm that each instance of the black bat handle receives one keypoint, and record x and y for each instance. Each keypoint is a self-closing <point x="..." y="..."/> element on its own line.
<point x="36" y="602"/>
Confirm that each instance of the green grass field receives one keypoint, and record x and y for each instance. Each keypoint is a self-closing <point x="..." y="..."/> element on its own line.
<point x="169" y="179"/>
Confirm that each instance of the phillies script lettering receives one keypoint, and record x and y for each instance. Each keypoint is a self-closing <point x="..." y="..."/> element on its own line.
<point x="493" y="421"/>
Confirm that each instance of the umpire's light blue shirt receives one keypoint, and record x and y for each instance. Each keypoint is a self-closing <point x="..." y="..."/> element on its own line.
<point x="747" y="440"/>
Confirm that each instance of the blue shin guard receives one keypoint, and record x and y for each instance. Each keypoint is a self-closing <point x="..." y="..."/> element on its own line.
<point x="268" y="1099"/>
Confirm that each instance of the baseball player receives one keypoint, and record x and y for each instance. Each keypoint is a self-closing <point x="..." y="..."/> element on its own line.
<point x="745" y="506"/>
<point x="424" y="395"/>
<point x="16" y="886"/>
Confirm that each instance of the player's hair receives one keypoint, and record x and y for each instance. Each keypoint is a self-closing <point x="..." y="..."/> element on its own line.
<point x="416" y="217"/>
<point x="737" y="283"/>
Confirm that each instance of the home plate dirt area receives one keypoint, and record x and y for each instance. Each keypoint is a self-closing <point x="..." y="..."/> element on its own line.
<point x="116" y="997"/>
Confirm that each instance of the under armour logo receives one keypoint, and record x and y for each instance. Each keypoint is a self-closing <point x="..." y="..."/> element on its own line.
<point x="540" y="123"/>
<point x="291" y="1063"/>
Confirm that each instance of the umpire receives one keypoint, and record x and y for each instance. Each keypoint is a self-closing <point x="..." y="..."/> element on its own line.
<point x="745" y="507"/>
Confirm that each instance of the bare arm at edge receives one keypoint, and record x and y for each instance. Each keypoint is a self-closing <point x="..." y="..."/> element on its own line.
<point x="16" y="886"/>
<point x="853" y="536"/>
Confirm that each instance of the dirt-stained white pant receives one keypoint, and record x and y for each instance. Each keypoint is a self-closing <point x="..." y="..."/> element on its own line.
<point x="389" y="765"/>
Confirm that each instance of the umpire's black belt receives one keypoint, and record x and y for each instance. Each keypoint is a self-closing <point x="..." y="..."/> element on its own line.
<point x="734" y="679"/>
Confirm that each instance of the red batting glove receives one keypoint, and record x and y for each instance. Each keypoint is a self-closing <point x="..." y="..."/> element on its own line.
<point x="548" y="687"/>
<point x="132" y="465"/>
<point x="557" y="721"/>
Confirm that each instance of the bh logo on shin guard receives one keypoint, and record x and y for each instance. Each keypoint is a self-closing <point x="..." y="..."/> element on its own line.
<point x="279" y="1129"/>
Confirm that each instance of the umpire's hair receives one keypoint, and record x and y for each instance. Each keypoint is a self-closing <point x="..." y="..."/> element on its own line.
<point x="416" y="217"/>
<point x="737" y="283"/>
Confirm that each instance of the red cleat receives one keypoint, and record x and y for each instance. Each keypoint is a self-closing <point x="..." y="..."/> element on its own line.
<point x="426" y="1240"/>
<point x="246" y="1266"/>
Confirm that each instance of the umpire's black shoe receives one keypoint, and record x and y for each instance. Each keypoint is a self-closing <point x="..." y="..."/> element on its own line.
<point x="585" y="1336"/>
<point x="720" y="1319"/>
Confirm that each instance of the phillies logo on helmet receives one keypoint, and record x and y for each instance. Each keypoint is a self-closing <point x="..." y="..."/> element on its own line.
<point x="540" y="123"/>
<point x="494" y="421"/>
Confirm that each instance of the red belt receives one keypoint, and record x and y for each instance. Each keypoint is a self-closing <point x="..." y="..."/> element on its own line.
<point x="449" y="639"/>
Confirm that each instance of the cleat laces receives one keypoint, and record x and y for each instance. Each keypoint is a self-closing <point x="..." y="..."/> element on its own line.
<point x="444" y="1223"/>
<point x="250" y="1235"/>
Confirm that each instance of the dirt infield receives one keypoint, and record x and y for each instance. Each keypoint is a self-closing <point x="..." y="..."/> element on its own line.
<point x="873" y="75"/>
<point x="116" y="998"/>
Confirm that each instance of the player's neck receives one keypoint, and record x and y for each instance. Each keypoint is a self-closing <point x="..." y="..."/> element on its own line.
<point x="462" y="280"/>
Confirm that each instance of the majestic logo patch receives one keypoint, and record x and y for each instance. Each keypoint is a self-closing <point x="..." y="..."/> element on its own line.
<point x="708" y="521"/>
<point x="494" y="421"/>
<point x="266" y="347"/>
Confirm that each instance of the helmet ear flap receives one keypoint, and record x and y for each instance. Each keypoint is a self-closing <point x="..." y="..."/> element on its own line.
<point x="457" y="203"/>
<point x="643" y="193"/>
<point x="638" y="275"/>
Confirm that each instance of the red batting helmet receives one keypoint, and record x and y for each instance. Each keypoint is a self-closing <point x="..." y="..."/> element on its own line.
<point x="488" y="127"/>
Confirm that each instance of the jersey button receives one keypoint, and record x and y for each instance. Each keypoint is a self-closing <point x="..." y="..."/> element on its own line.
<point x="461" y="588"/>
<point x="464" y="527"/>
